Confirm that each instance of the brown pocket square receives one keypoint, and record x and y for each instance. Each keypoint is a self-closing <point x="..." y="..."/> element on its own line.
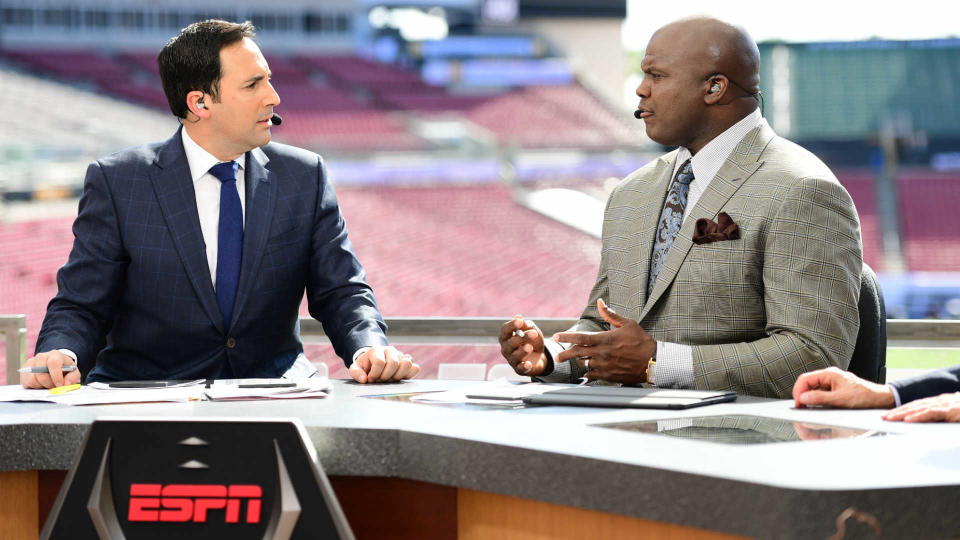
<point x="707" y="230"/>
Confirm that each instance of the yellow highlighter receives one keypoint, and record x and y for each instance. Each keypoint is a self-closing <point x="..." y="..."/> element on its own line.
<point x="64" y="389"/>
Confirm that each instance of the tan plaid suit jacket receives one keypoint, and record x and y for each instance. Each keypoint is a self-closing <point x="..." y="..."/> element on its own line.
<point x="758" y="311"/>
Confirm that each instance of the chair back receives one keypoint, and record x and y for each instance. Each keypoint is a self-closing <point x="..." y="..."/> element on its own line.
<point x="870" y="353"/>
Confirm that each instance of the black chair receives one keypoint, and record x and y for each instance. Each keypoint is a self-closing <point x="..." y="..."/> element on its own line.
<point x="870" y="353"/>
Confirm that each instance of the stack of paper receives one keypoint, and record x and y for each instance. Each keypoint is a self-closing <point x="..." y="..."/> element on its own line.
<point x="90" y="395"/>
<point x="233" y="390"/>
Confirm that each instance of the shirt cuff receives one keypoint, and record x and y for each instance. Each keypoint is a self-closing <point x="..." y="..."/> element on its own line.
<point x="896" y="396"/>
<point x="69" y="353"/>
<point x="360" y="351"/>
<point x="561" y="370"/>
<point x="674" y="366"/>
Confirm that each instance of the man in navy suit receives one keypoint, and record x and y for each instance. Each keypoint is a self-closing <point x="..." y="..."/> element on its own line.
<point x="191" y="256"/>
<point x="931" y="397"/>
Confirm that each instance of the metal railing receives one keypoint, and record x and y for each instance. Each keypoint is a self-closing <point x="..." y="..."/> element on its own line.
<point x="484" y="331"/>
<point x="13" y="332"/>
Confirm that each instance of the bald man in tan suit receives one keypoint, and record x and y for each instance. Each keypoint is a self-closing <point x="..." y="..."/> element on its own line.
<point x="731" y="263"/>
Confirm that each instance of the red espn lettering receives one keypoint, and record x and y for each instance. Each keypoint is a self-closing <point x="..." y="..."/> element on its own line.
<point x="191" y="502"/>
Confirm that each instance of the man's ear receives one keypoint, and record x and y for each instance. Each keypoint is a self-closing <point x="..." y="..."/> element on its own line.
<point x="716" y="88"/>
<point x="196" y="104"/>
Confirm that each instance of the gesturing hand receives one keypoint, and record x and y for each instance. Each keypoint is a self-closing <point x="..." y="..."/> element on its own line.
<point x="524" y="352"/>
<point x="617" y="355"/>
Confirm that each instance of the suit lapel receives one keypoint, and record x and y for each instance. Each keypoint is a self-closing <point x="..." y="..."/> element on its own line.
<point x="173" y="186"/>
<point x="260" y="191"/>
<point x="740" y="164"/>
<point x="647" y="221"/>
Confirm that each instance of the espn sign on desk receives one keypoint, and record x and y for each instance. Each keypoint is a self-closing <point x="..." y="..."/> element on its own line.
<point x="217" y="478"/>
<point x="186" y="502"/>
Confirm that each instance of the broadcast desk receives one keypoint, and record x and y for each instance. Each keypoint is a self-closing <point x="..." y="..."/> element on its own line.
<point x="477" y="472"/>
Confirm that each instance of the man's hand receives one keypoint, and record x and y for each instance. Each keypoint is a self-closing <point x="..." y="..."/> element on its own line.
<point x="383" y="364"/>
<point x="54" y="360"/>
<point x="942" y="408"/>
<point x="833" y="387"/>
<point x="618" y="355"/>
<point x="525" y="354"/>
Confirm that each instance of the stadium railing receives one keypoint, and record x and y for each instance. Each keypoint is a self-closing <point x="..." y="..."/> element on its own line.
<point x="13" y="332"/>
<point x="484" y="331"/>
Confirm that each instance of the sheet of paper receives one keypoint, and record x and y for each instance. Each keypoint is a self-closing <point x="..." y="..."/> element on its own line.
<point x="102" y="394"/>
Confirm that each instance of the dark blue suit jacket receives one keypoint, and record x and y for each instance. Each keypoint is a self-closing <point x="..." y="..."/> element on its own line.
<point x="941" y="381"/>
<point x="136" y="300"/>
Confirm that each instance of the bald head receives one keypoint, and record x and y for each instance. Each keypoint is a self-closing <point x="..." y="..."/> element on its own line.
<point x="713" y="46"/>
<point x="701" y="76"/>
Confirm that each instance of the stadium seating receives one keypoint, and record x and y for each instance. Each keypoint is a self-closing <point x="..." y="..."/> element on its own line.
<point x="561" y="116"/>
<point x="929" y="220"/>
<point x="861" y="186"/>
<point x="361" y="130"/>
<point x="427" y="251"/>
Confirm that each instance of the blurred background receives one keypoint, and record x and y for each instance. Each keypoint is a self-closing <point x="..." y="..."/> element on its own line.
<point x="473" y="142"/>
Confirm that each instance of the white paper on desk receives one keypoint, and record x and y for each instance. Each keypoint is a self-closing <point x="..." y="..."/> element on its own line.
<point x="493" y="392"/>
<point x="86" y="395"/>
<point x="315" y="387"/>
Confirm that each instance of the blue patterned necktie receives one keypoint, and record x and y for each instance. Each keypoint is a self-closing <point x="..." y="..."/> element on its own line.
<point x="670" y="220"/>
<point x="229" y="238"/>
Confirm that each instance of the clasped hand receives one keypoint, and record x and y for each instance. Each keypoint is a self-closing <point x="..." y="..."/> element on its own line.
<point x="383" y="364"/>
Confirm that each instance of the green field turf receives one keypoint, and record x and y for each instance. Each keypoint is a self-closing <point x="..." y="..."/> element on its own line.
<point x="922" y="358"/>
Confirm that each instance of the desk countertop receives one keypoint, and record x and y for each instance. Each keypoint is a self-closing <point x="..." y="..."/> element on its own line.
<point x="909" y="479"/>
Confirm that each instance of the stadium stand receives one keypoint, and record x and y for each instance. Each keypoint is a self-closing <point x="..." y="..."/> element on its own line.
<point x="565" y="116"/>
<point x="461" y="266"/>
<point x="930" y="220"/>
<point x="861" y="186"/>
<point x="56" y="129"/>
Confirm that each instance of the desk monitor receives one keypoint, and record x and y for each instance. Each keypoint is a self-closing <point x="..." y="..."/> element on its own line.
<point x="196" y="478"/>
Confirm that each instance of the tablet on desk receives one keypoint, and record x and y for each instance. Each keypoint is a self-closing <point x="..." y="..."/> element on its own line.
<point x="630" y="397"/>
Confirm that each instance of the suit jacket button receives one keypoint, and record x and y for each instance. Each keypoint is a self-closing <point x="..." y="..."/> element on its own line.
<point x="231" y="343"/>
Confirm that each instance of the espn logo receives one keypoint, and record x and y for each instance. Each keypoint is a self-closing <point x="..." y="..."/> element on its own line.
<point x="192" y="502"/>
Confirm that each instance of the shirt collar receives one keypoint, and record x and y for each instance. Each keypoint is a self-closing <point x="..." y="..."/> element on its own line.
<point x="199" y="159"/>
<point x="707" y="162"/>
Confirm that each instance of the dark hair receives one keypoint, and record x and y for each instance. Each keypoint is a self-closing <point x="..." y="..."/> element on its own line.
<point x="191" y="60"/>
